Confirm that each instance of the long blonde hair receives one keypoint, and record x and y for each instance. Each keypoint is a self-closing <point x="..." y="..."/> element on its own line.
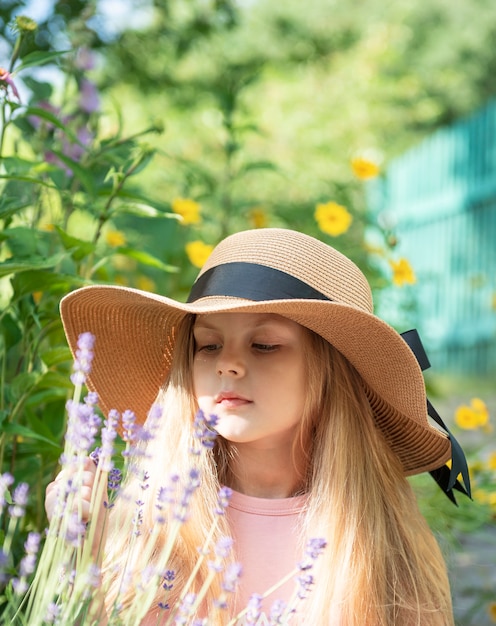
<point x="382" y="565"/>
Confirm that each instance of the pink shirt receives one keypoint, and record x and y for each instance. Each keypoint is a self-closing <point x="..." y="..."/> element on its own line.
<point x="265" y="533"/>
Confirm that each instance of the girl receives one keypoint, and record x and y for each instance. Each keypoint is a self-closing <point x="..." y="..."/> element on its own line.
<point x="321" y="413"/>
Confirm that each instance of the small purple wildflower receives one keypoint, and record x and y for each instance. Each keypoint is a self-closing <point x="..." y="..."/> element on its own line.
<point x="53" y="612"/>
<point x="223" y="499"/>
<point x="254" y="609"/>
<point x="277" y="612"/>
<point x="4" y="561"/>
<point x="83" y="425"/>
<point x="108" y="435"/>
<point x="129" y="427"/>
<point x="6" y="480"/>
<point x="75" y="531"/>
<point x="231" y="577"/>
<point x="28" y="562"/>
<point x="20" y="500"/>
<point x="192" y="484"/>
<point x="114" y="479"/>
<point x="89" y="100"/>
<point x="84" y="357"/>
<point x="19" y="585"/>
<point x="185" y="608"/>
<point x="223" y="547"/>
<point x="203" y="430"/>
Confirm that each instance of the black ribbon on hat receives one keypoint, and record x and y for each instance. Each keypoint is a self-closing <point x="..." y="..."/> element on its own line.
<point x="446" y="478"/>
<point x="252" y="281"/>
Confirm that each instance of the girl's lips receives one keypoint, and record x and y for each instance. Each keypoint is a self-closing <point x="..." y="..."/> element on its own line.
<point x="228" y="400"/>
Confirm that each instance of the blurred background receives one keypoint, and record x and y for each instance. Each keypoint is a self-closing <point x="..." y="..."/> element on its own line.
<point x="135" y="134"/>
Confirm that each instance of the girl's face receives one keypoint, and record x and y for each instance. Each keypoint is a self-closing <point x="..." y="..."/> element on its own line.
<point x="249" y="370"/>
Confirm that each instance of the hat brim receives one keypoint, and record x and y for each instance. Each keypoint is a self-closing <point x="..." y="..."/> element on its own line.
<point x="134" y="344"/>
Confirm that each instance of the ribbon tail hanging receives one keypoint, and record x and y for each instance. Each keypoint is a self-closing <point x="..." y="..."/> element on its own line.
<point x="445" y="477"/>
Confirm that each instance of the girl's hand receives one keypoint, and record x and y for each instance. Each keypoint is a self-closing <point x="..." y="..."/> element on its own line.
<point x="53" y="489"/>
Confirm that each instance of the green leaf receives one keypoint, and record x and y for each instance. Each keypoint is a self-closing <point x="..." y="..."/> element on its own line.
<point x="52" y="119"/>
<point x="147" y="259"/>
<point x="39" y="58"/>
<point x="22" y="383"/>
<point x="79" y="172"/>
<point x="12" y="266"/>
<point x="54" y="356"/>
<point x="23" y="431"/>
<point x="143" y="206"/>
<point x="23" y="242"/>
<point x="28" y="179"/>
<point x="77" y="247"/>
<point x="54" y="380"/>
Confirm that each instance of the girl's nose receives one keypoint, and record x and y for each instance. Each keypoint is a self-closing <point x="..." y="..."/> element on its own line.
<point x="230" y="364"/>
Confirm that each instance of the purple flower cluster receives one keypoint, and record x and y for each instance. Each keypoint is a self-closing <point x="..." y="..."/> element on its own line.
<point x="305" y="579"/>
<point x="84" y="357"/>
<point x="182" y="505"/>
<point x="223" y="499"/>
<point x="20" y="500"/>
<point x="203" y="432"/>
<point x="83" y="425"/>
<point x="6" y="480"/>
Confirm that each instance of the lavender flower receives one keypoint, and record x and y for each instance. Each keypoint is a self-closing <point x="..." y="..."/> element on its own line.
<point x="129" y="427"/>
<point x="223" y="499"/>
<point x="75" y="531"/>
<point x="20" y="499"/>
<point x="185" y="608"/>
<point x="108" y="435"/>
<point x="231" y="577"/>
<point x="114" y="479"/>
<point x="6" y="480"/>
<point x="277" y="611"/>
<point x="28" y="562"/>
<point x="169" y="578"/>
<point x="84" y="357"/>
<point x="53" y="612"/>
<point x="254" y="609"/>
<point x="83" y="426"/>
<point x="192" y="484"/>
<point x="203" y="430"/>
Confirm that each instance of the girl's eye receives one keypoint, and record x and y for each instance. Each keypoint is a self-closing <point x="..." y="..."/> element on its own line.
<point x="209" y="347"/>
<point x="264" y="347"/>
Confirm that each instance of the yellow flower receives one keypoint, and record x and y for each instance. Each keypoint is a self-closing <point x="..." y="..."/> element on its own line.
<point x="37" y="296"/>
<point x="466" y="418"/>
<point x="364" y="169"/>
<point x="188" y="209"/>
<point x="115" y="238"/>
<point x="258" y="217"/>
<point x="480" y="496"/>
<point x="145" y="284"/>
<point x="402" y="272"/>
<point x="332" y="218"/>
<point x="491" y="498"/>
<point x="198" y="252"/>
<point x="479" y="407"/>
<point x="491" y="463"/>
<point x="491" y="609"/>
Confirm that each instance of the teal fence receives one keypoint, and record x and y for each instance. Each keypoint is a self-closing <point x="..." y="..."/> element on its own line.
<point x="441" y="198"/>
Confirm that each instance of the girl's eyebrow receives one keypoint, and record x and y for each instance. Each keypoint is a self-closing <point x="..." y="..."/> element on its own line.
<point x="265" y="318"/>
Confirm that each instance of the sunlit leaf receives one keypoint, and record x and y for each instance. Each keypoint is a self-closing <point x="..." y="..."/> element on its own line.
<point x="39" y="58"/>
<point x="147" y="259"/>
<point x="13" y="266"/>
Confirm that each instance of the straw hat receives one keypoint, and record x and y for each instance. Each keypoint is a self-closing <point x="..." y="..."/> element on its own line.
<point x="264" y="271"/>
